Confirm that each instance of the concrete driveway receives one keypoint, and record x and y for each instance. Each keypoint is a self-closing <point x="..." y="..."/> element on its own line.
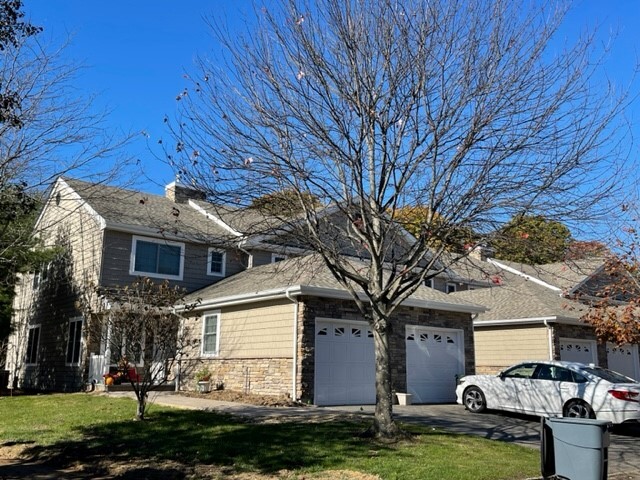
<point x="624" y="451"/>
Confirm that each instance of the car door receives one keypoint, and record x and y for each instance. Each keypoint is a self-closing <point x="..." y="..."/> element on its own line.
<point x="546" y="392"/>
<point x="552" y="387"/>
<point x="515" y="391"/>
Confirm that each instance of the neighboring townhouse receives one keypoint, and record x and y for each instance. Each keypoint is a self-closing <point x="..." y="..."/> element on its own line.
<point x="272" y="319"/>
<point x="534" y="313"/>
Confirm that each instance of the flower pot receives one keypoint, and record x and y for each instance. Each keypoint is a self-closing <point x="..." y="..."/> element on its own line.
<point x="404" y="398"/>
<point x="204" y="386"/>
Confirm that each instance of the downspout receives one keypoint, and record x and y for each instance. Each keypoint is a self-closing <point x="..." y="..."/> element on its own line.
<point x="294" y="369"/>
<point x="549" y="337"/>
<point x="249" y="255"/>
<point x="178" y="366"/>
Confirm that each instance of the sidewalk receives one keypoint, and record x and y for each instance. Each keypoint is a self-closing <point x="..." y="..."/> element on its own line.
<point x="248" y="411"/>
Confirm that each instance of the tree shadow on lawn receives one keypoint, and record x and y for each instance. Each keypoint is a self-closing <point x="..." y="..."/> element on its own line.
<point x="193" y="437"/>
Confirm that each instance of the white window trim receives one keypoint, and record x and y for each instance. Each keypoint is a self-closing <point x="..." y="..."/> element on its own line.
<point x="274" y="256"/>
<point x="429" y="282"/>
<point x="217" y="352"/>
<point x="31" y="327"/>
<point x="453" y="285"/>
<point x="132" y="262"/>
<point x="75" y="364"/>
<point x="224" y="263"/>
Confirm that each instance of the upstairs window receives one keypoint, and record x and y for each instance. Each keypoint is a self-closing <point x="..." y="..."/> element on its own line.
<point x="216" y="262"/>
<point x="33" y="344"/>
<point x="451" y="287"/>
<point x="157" y="258"/>
<point x="74" y="341"/>
<point x="276" y="257"/>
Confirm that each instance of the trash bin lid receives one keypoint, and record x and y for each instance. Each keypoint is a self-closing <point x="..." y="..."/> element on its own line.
<point x="582" y="432"/>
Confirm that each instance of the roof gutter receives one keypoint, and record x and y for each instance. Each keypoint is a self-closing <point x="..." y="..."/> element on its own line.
<point x="327" y="293"/>
<point x="528" y="321"/>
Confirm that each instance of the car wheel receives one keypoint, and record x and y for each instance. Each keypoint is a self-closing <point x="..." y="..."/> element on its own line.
<point x="474" y="400"/>
<point x="578" y="409"/>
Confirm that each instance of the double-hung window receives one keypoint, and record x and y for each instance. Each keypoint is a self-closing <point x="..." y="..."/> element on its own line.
<point x="33" y="343"/>
<point x="74" y="341"/>
<point x="216" y="262"/>
<point x="157" y="258"/>
<point x="276" y="257"/>
<point x="210" y="333"/>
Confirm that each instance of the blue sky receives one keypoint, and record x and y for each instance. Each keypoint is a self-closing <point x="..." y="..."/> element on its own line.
<point x="136" y="53"/>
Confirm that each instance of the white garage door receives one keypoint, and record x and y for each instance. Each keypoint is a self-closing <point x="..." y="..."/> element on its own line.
<point x="573" y="350"/>
<point x="345" y="364"/>
<point x="623" y="359"/>
<point x="434" y="358"/>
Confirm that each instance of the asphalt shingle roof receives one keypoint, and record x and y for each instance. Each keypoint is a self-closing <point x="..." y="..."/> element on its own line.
<point x="123" y="207"/>
<point x="518" y="298"/>
<point x="307" y="271"/>
<point x="564" y="275"/>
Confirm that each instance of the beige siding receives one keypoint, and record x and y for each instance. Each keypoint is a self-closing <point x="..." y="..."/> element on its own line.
<point x="262" y="330"/>
<point x="500" y="347"/>
<point x="65" y="219"/>
<point x="53" y="300"/>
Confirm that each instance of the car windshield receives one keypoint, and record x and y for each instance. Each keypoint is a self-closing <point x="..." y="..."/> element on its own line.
<point x="608" y="375"/>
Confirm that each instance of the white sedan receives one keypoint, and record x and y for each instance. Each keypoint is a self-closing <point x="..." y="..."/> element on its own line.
<point x="554" y="389"/>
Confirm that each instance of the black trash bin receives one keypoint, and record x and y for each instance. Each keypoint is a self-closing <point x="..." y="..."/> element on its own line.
<point x="575" y="448"/>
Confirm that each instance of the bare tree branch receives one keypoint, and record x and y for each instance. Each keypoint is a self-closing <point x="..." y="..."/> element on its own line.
<point x="468" y="108"/>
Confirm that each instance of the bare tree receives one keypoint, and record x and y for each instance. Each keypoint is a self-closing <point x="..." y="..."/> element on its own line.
<point x="143" y="333"/>
<point x="466" y="108"/>
<point x="47" y="129"/>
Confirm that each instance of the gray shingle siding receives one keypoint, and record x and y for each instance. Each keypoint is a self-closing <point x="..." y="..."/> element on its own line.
<point x="117" y="261"/>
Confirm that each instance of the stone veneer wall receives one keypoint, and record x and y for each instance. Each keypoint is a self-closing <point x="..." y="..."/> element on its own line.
<point x="312" y="307"/>
<point x="580" y="332"/>
<point x="261" y="376"/>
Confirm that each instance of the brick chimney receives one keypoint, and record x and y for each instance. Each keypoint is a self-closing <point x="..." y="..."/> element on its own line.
<point x="180" y="193"/>
<point x="481" y="252"/>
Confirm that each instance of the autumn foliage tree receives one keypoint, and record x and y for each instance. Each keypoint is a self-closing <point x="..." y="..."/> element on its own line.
<point x="417" y="220"/>
<point x="464" y="107"/>
<point x="532" y="239"/>
<point x="615" y="311"/>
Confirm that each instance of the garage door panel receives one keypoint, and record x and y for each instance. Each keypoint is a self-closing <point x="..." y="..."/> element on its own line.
<point x="624" y="359"/>
<point x="357" y="352"/>
<point x="427" y="392"/>
<point x="345" y="364"/>
<point x="574" y="350"/>
<point x="434" y="358"/>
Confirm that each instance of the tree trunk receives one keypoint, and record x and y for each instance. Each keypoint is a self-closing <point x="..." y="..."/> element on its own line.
<point x="142" y="405"/>
<point x="384" y="424"/>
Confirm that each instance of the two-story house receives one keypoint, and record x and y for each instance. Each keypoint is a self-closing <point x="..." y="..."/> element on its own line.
<point x="271" y="318"/>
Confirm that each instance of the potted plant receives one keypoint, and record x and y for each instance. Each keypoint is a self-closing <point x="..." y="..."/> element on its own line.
<point x="204" y="380"/>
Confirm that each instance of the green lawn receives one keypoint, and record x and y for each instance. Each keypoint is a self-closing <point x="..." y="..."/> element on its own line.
<point x="64" y="427"/>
